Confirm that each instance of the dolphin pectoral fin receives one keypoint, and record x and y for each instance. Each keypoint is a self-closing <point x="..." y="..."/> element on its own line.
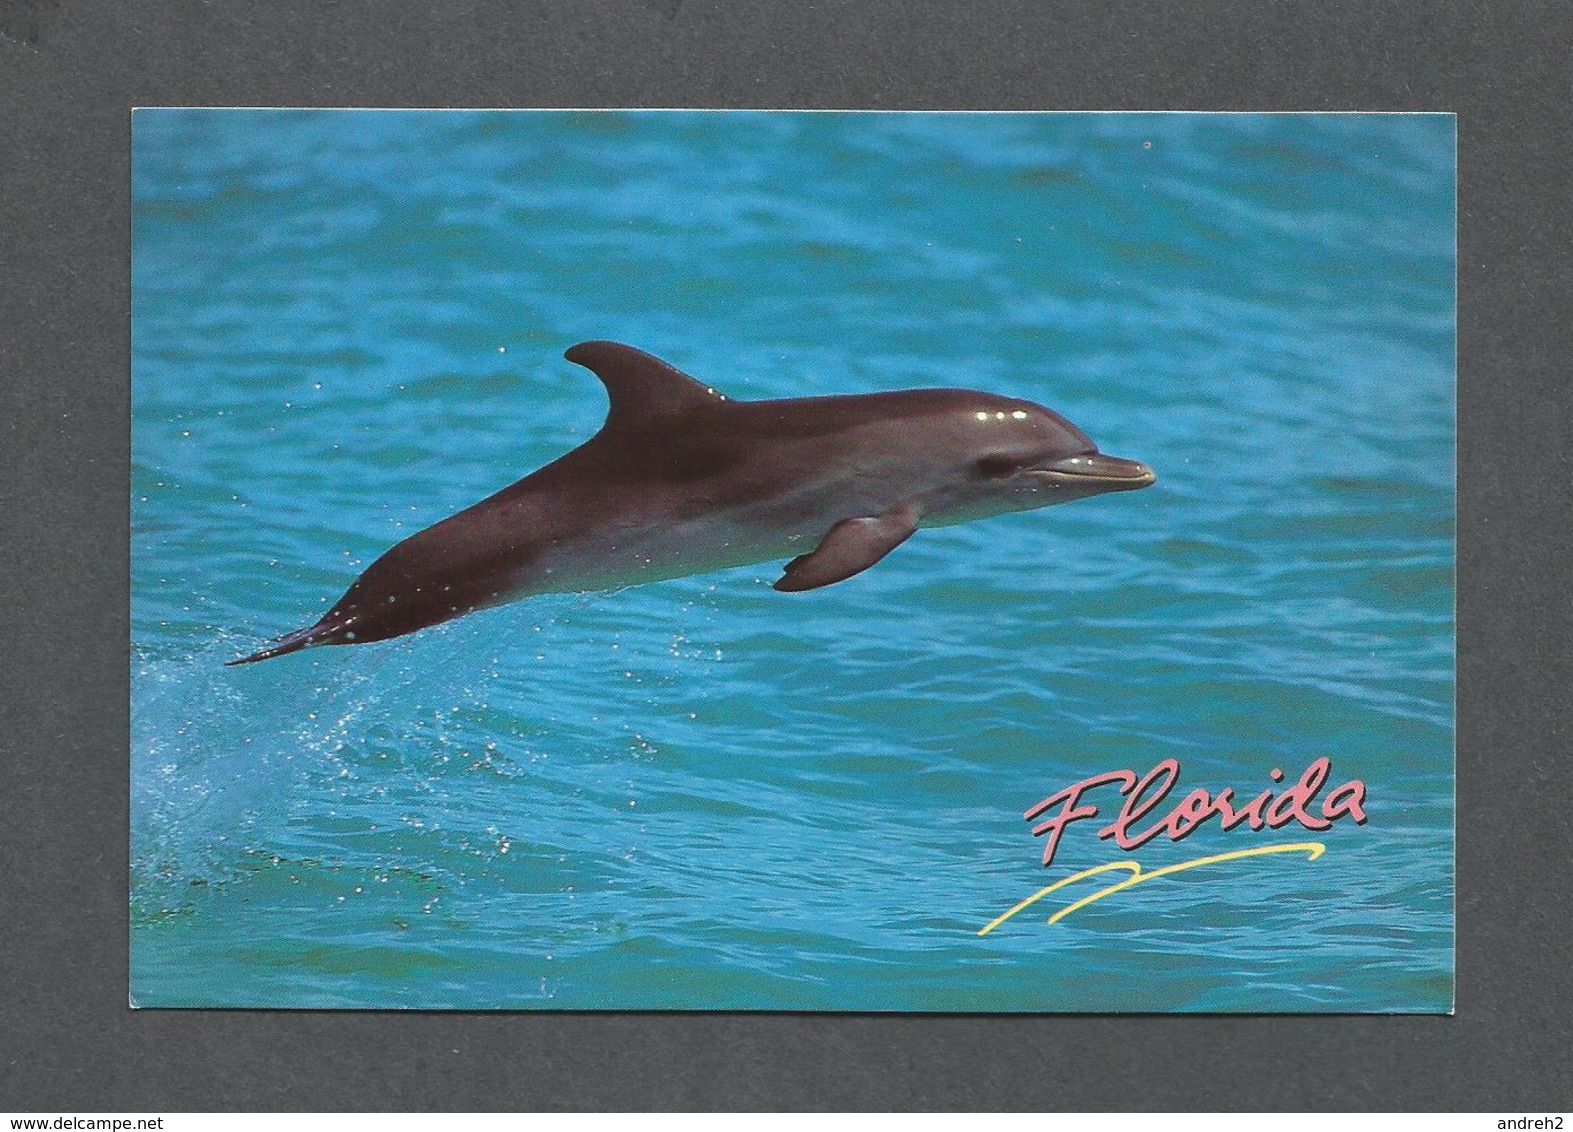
<point x="850" y="547"/>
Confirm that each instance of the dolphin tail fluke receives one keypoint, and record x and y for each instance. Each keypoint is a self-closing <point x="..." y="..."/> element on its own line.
<point x="317" y="634"/>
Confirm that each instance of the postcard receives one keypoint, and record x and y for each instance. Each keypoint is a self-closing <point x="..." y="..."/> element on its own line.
<point x="946" y="562"/>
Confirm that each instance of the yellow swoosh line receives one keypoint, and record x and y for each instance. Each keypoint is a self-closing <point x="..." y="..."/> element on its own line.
<point x="1314" y="849"/>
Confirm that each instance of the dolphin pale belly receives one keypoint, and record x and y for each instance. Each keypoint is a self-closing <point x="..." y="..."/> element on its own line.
<point x="680" y="480"/>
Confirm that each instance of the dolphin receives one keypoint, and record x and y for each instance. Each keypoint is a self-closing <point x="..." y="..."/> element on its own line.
<point x="681" y="480"/>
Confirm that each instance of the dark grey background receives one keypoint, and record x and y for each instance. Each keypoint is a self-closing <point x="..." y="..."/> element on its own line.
<point x="70" y="70"/>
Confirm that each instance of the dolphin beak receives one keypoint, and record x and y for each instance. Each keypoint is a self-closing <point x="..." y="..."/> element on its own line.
<point x="1100" y="472"/>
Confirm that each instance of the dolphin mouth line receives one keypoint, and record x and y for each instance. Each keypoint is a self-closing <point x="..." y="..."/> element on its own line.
<point x="1106" y="471"/>
<point x="1141" y="479"/>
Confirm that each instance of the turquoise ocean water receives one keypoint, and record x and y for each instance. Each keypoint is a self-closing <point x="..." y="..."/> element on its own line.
<point x="705" y="794"/>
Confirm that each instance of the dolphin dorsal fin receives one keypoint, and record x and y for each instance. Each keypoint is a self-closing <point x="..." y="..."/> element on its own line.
<point x="640" y="386"/>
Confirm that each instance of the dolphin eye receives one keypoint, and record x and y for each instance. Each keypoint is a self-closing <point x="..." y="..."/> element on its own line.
<point x="997" y="467"/>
